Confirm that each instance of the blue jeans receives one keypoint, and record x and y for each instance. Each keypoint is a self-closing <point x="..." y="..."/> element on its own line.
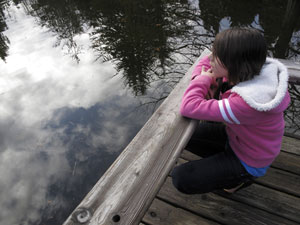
<point x="218" y="169"/>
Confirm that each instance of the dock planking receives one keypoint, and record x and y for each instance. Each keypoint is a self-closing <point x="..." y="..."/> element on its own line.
<point x="136" y="189"/>
<point x="162" y="213"/>
<point x="272" y="199"/>
<point x="291" y="145"/>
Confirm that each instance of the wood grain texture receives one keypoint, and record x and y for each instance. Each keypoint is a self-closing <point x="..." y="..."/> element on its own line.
<point x="287" y="162"/>
<point x="282" y="181"/>
<point x="162" y="213"/>
<point x="270" y="200"/>
<point x="291" y="145"/>
<point x="189" y="156"/>
<point x="125" y="191"/>
<point x="218" y="208"/>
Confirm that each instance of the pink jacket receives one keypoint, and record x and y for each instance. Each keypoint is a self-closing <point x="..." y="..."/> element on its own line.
<point x="252" y="111"/>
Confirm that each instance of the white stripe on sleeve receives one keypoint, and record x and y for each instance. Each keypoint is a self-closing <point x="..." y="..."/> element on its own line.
<point x="223" y="113"/>
<point x="230" y="112"/>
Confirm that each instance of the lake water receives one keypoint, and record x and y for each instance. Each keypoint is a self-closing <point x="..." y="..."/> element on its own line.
<point x="80" y="78"/>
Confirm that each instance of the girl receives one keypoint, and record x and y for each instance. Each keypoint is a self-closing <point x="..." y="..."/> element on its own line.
<point x="250" y="110"/>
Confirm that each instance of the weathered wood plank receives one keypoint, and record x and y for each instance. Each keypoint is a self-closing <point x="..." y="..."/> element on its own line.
<point x="189" y="156"/>
<point x="162" y="213"/>
<point x="291" y="145"/>
<point x="275" y="202"/>
<point x="293" y="69"/>
<point x="282" y="181"/>
<point x="125" y="191"/>
<point x="218" y="208"/>
<point x="290" y="64"/>
<point x="288" y="162"/>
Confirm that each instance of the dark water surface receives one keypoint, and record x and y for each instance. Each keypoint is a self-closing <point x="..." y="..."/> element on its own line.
<point x="78" y="79"/>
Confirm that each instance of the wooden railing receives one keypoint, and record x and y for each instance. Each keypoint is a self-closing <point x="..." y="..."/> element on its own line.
<point x="294" y="70"/>
<point x="125" y="191"/>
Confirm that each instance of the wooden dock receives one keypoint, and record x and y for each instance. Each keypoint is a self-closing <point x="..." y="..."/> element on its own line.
<point x="137" y="189"/>
<point x="273" y="199"/>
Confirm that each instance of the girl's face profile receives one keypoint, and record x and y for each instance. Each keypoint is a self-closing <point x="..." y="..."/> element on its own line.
<point x="217" y="67"/>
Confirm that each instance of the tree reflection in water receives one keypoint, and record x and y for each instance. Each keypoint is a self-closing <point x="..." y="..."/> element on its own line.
<point x="147" y="40"/>
<point x="140" y="36"/>
<point x="153" y="43"/>
<point x="158" y="40"/>
<point x="4" y="42"/>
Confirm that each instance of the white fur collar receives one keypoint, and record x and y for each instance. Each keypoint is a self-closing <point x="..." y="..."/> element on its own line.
<point x="265" y="91"/>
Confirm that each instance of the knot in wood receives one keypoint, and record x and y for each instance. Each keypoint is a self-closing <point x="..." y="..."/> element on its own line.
<point x="82" y="215"/>
<point x="153" y="214"/>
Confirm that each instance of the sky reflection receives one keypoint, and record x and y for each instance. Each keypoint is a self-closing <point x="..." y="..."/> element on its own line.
<point x="61" y="123"/>
<point x="76" y="80"/>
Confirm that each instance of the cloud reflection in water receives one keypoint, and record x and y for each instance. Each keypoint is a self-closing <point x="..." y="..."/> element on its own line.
<point x="61" y="124"/>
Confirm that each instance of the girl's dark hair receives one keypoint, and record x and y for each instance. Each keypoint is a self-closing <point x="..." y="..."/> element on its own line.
<point x="242" y="51"/>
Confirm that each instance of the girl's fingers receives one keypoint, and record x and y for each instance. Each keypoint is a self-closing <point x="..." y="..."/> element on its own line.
<point x="207" y="71"/>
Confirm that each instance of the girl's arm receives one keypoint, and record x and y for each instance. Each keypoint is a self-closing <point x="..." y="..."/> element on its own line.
<point x="195" y="106"/>
<point x="233" y="110"/>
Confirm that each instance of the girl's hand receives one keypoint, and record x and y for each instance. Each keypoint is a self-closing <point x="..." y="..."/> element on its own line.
<point x="209" y="72"/>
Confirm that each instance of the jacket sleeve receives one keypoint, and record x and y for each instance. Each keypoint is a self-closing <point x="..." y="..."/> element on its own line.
<point x="195" y="106"/>
<point x="232" y="110"/>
